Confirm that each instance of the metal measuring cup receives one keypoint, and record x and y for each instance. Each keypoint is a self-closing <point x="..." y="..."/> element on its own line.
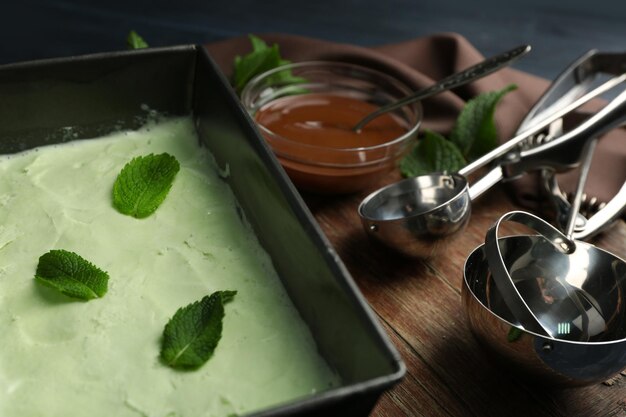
<point x="561" y="299"/>
<point x="573" y="290"/>
<point x="417" y="216"/>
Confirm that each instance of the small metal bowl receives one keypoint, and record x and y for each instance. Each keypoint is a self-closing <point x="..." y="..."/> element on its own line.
<point x="556" y="362"/>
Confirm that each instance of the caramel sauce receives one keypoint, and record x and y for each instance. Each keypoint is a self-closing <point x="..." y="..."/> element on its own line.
<point x="325" y="120"/>
<point x="311" y="135"/>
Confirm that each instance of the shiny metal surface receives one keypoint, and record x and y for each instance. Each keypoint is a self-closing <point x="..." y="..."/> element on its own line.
<point x="574" y="82"/>
<point x="410" y="216"/>
<point x="503" y="152"/>
<point x="573" y="215"/>
<point x="406" y="193"/>
<point x="597" y="215"/>
<point x="510" y="160"/>
<point x="536" y="265"/>
<point x="605" y="216"/>
<point x="565" y="151"/>
<point x="527" y="308"/>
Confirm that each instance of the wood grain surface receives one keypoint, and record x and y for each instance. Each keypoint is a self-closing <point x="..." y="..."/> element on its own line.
<point x="419" y="304"/>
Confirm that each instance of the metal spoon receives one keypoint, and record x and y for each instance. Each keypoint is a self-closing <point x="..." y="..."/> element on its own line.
<point x="472" y="73"/>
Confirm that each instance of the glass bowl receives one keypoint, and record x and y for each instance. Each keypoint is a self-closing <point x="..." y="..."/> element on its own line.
<point x="340" y="94"/>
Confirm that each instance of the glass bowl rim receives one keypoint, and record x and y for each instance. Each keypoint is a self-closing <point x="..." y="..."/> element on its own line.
<point x="399" y="84"/>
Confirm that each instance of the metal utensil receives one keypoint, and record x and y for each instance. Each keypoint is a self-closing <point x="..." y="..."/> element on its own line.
<point x="570" y="226"/>
<point x="447" y="206"/>
<point x="576" y="80"/>
<point x="472" y="73"/>
<point x="514" y="300"/>
<point x="557" y="362"/>
<point x="546" y="324"/>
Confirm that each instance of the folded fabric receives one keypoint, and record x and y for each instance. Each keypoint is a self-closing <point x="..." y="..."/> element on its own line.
<point x="422" y="61"/>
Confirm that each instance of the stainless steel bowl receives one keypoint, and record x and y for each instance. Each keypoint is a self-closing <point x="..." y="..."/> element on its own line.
<point x="551" y="361"/>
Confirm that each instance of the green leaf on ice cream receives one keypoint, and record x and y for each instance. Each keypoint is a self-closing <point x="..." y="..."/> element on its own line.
<point x="72" y="275"/>
<point x="143" y="184"/>
<point x="191" y="336"/>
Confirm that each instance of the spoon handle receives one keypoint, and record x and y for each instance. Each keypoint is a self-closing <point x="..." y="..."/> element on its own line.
<point x="455" y="80"/>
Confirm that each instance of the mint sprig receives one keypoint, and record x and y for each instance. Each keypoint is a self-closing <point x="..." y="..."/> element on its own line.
<point x="433" y="153"/>
<point x="262" y="58"/>
<point x="143" y="184"/>
<point x="134" y="41"/>
<point x="475" y="130"/>
<point x="192" y="334"/>
<point x="72" y="275"/>
<point x="473" y="135"/>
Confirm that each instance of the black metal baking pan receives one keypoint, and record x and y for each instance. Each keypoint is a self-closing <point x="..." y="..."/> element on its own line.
<point x="97" y="94"/>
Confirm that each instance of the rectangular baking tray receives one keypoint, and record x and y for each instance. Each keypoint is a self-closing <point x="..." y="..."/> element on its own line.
<point x="98" y="94"/>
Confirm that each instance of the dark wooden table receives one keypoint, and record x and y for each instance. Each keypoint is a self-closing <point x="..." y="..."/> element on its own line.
<point x="419" y="305"/>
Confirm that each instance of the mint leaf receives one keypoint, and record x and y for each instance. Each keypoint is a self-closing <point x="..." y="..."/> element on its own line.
<point x="134" y="41"/>
<point x="71" y="274"/>
<point x="262" y="58"/>
<point x="143" y="184"/>
<point x="433" y="153"/>
<point x="258" y="44"/>
<point x="287" y="77"/>
<point x="514" y="334"/>
<point x="475" y="131"/>
<point x="191" y="336"/>
<point x="473" y="135"/>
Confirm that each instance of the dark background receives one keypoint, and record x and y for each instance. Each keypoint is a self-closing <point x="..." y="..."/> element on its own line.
<point x="559" y="31"/>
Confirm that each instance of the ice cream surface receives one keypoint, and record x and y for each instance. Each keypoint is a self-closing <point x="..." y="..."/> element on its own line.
<point x="61" y="357"/>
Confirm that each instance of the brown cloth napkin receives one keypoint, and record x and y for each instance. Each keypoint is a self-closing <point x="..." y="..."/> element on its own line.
<point x="422" y="61"/>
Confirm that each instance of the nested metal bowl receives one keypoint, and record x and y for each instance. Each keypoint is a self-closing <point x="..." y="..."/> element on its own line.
<point x="559" y="361"/>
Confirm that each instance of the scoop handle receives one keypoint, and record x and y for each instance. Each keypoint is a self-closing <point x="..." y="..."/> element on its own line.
<point x="574" y="81"/>
<point x="565" y="152"/>
<point x="511" y="145"/>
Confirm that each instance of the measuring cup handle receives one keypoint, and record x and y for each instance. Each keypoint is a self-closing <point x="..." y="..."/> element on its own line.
<point x="500" y="273"/>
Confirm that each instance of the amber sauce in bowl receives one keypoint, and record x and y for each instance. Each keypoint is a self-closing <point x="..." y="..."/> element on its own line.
<point x="311" y="131"/>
